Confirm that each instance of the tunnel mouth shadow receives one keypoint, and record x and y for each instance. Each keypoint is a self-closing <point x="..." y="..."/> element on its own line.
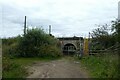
<point x="69" y="49"/>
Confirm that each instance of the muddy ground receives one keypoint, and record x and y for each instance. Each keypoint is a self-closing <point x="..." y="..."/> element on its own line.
<point x="62" y="68"/>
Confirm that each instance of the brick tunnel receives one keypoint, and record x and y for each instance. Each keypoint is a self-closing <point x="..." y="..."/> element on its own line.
<point x="71" y="45"/>
<point x="69" y="49"/>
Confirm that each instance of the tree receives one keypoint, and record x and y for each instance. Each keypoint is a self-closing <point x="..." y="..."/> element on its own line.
<point x="116" y="29"/>
<point x="101" y="37"/>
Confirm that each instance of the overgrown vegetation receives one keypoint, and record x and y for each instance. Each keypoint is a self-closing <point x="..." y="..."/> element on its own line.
<point x="106" y="36"/>
<point x="12" y="69"/>
<point x="15" y="68"/>
<point x="36" y="43"/>
<point x="102" y="66"/>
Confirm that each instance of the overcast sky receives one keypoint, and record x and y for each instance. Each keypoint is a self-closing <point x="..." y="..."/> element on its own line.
<point x="67" y="17"/>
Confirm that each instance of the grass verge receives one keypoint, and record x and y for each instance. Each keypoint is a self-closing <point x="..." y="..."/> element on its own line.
<point x="102" y="66"/>
<point x="15" y="67"/>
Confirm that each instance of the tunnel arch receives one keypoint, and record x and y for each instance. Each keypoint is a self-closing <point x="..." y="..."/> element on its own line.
<point x="69" y="49"/>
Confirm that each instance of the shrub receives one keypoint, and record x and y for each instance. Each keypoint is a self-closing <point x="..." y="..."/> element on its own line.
<point x="10" y="46"/>
<point x="37" y="43"/>
<point x="49" y="51"/>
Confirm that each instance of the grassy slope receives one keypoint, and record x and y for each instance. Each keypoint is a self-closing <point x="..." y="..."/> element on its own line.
<point x="104" y="66"/>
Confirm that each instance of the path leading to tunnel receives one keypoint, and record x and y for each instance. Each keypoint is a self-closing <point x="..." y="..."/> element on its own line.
<point x="62" y="68"/>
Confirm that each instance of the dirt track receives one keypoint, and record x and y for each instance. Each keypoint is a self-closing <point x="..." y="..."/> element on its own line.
<point x="62" y="68"/>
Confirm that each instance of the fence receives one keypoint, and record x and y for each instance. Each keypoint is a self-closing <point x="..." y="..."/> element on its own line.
<point x="113" y="49"/>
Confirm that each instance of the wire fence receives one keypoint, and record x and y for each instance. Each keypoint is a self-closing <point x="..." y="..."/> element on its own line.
<point x="112" y="49"/>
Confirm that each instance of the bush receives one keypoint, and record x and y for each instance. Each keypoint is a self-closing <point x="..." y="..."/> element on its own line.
<point x="37" y="43"/>
<point x="49" y="51"/>
<point x="10" y="46"/>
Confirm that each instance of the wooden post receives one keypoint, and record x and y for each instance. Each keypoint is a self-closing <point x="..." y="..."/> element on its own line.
<point x="86" y="47"/>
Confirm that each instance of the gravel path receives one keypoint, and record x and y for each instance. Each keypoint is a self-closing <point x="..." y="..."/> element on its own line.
<point x="62" y="68"/>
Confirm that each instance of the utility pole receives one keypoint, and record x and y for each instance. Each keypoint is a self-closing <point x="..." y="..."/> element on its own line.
<point x="89" y="43"/>
<point x="81" y="52"/>
<point x="49" y="29"/>
<point x="119" y="10"/>
<point x="25" y="26"/>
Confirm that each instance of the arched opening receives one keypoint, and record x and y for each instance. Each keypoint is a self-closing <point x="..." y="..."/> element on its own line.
<point x="69" y="49"/>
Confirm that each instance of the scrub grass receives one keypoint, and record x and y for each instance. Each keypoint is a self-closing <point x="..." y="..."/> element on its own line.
<point x="15" y="67"/>
<point x="102" y="66"/>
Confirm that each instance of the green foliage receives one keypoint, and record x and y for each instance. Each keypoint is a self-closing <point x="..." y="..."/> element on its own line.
<point x="37" y="43"/>
<point x="101" y="39"/>
<point x="103" y="66"/>
<point x="49" y="51"/>
<point x="102" y="30"/>
<point x="12" y="69"/>
<point x="10" y="46"/>
<point x="9" y="41"/>
<point x="0" y="43"/>
<point x="116" y="29"/>
<point x="15" y="68"/>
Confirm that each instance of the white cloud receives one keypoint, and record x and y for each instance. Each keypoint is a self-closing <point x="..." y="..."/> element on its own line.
<point x="67" y="17"/>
